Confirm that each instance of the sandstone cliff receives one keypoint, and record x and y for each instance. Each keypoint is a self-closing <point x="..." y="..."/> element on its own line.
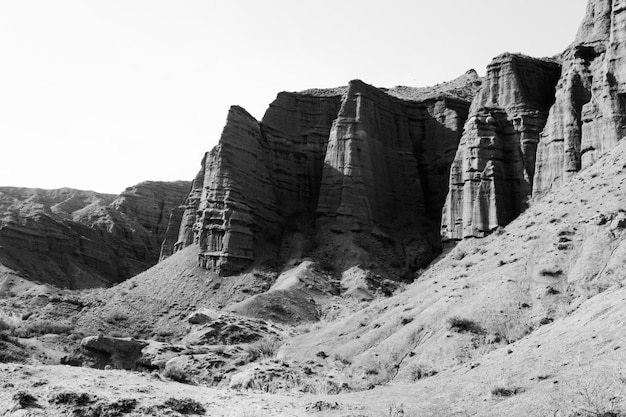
<point x="329" y="171"/>
<point x="78" y="239"/>
<point x="589" y="115"/>
<point x="492" y="173"/>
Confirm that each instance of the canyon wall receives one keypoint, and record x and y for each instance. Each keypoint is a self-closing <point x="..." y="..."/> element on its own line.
<point x="351" y="160"/>
<point x="492" y="173"/>
<point x="589" y="115"/>
<point x="80" y="239"/>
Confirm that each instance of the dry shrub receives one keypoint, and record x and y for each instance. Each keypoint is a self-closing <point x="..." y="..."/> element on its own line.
<point x="37" y="328"/>
<point x="184" y="406"/>
<point x="264" y="348"/>
<point x="509" y="324"/>
<point x="599" y="396"/>
<point x="502" y="391"/>
<point x="178" y="375"/>
<point x="461" y="325"/>
<point x="70" y="398"/>
<point x="419" y="371"/>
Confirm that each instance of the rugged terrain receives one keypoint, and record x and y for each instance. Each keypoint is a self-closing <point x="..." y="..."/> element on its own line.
<point x="304" y="274"/>
<point x="80" y="239"/>
<point x="328" y="172"/>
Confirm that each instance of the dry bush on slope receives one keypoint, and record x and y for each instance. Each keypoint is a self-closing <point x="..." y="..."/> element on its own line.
<point x="264" y="348"/>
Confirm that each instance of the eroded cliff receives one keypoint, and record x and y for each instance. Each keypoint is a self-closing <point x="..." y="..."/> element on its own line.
<point x="327" y="173"/>
<point x="589" y="115"/>
<point x="79" y="239"/>
<point x="492" y="173"/>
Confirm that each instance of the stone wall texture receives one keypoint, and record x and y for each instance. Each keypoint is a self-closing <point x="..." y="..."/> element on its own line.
<point x="589" y="114"/>
<point x="492" y="173"/>
<point x="355" y="159"/>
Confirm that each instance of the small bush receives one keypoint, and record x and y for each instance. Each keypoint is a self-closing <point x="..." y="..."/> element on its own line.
<point x="509" y="324"/>
<point x="461" y="325"/>
<point x="318" y="387"/>
<point x="600" y="396"/>
<point x="264" y="348"/>
<point x="343" y="360"/>
<point x="185" y="406"/>
<point x="371" y="371"/>
<point x="420" y="371"/>
<point x="177" y="375"/>
<point x="114" y="409"/>
<point x="70" y="398"/>
<point x="502" y="391"/>
<point x="551" y="272"/>
<point x="38" y="328"/>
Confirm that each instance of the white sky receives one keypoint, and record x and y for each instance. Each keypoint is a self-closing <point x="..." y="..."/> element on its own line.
<point x="102" y="95"/>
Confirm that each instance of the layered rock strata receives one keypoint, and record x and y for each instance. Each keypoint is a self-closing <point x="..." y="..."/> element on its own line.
<point x="79" y="239"/>
<point x="589" y="115"/>
<point x="492" y="173"/>
<point x="260" y="176"/>
<point x="348" y="160"/>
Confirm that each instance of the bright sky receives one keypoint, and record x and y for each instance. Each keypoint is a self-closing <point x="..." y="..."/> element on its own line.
<point x="102" y="95"/>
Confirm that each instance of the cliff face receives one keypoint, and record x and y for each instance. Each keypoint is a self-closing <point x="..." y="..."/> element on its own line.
<point x="589" y="115"/>
<point x="80" y="239"/>
<point x="325" y="166"/>
<point x="492" y="173"/>
<point x="261" y="176"/>
<point x="386" y="167"/>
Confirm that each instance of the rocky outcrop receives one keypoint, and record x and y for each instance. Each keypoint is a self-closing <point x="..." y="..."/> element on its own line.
<point x="260" y="177"/>
<point x="589" y="115"/>
<point x="492" y="173"/>
<point x="351" y="160"/>
<point x="79" y="239"/>
<point x="180" y="229"/>
<point x="387" y="165"/>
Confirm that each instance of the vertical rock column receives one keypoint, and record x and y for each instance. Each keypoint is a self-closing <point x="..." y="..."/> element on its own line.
<point x="589" y="115"/>
<point x="238" y="197"/>
<point x="491" y="176"/>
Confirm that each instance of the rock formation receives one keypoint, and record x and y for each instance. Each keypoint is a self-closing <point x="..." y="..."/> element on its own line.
<point x="589" y="115"/>
<point x="79" y="239"/>
<point x="492" y="173"/>
<point x="350" y="160"/>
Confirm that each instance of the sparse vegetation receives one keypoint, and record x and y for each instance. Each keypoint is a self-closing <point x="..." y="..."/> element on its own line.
<point x="419" y="371"/>
<point x="184" y="406"/>
<point x="114" y="409"/>
<point x="504" y="391"/>
<point x="599" y="396"/>
<point x="264" y="348"/>
<point x="551" y="272"/>
<point x="343" y="360"/>
<point x="461" y="325"/>
<point x="508" y="325"/>
<point x="395" y="410"/>
<point x="177" y="375"/>
<point x="70" y="398"/>
<point x="116" y="317"/>
<point x="37" y="328"/>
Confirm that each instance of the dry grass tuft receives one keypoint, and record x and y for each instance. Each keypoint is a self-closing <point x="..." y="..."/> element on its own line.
<point x="264" y="348"/>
